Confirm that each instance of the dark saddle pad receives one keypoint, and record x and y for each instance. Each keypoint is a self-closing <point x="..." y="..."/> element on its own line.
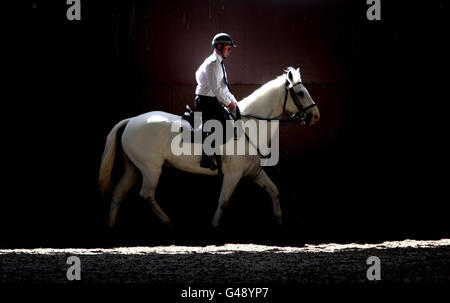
<point x="196" y="132"/>
<point x="188" y="115"/>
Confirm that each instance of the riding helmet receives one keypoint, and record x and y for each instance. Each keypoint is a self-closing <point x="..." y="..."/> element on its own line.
<point x="222" y="38"/>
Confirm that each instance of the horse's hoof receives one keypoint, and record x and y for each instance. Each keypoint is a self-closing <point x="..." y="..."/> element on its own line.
<point x="170" y="225"/>
<point x="215" y="229"/>
<point x="279" y="222"/>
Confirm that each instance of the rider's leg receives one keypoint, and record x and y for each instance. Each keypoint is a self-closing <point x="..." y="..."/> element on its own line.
<point x="208" y="110"/>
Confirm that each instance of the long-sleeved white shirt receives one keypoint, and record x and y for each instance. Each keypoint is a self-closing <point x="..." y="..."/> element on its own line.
<point x="211" y="80"/>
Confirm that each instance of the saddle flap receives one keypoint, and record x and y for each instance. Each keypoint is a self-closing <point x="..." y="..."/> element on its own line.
<point x="193" y="121"/>
<point x="188" y="115"/>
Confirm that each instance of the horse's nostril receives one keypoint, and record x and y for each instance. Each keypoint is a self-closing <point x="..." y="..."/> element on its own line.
<point x="316" y="116"/>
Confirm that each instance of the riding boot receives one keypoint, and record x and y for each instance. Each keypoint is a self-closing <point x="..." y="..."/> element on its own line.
<point x="218" y="159"/>
<point x="206" y="161"/>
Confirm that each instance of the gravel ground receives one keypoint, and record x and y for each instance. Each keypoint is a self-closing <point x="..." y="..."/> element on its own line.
<point x="401" y="261"/>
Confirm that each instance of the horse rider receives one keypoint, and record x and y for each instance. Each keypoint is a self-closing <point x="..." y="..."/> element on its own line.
<point x="212" y="92"/>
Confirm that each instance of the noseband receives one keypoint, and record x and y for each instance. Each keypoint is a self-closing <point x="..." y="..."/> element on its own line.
<point x="302" y="115"/>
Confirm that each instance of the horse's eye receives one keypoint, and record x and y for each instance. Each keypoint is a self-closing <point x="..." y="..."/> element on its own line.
<point x="301" y="93"/>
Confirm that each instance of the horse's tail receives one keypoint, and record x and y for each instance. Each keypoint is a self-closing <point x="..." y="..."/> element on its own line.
<point x="107" y="164"/>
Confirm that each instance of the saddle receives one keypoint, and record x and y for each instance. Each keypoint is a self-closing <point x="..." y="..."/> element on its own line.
<point x="189" y="117"/>
<point x="195" y="132"/>
<point x="196" y="135"/>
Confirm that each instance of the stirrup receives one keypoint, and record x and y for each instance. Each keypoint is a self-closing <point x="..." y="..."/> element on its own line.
<point x="213" y="163"/>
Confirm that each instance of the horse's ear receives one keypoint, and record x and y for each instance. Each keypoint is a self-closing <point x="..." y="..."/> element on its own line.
<point x="290" y="75"/>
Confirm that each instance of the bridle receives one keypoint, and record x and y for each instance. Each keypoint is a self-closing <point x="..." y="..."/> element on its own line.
<point x="303" y="116"/>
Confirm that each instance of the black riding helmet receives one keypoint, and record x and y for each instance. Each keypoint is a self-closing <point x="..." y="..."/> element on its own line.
<point x="222" y="38"/>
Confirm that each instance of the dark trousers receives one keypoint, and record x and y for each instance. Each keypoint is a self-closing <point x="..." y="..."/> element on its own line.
<point x="210" y="108"/>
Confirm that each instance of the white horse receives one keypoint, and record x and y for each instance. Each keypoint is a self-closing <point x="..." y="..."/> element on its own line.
<point x="146" y="144"/>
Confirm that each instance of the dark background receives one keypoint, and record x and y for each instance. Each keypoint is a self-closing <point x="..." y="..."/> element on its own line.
<point x="374" y="168"/>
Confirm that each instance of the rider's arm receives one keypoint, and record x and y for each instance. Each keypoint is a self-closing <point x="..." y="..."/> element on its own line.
<point x="214" y="76"/>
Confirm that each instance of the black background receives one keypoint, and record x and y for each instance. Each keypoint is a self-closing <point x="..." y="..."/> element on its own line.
<point x="384" y="177"/>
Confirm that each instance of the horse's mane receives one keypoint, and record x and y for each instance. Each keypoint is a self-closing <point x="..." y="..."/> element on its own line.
<point x="266" y="88"/>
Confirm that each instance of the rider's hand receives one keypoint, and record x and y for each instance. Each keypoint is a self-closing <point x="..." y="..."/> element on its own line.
<point x="232" y="106"/>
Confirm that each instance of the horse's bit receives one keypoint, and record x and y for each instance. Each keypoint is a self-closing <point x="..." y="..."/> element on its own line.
<point x="302" y="115"/>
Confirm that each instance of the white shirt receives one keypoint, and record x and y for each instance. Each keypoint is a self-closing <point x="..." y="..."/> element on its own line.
<point x="211" y="80"/>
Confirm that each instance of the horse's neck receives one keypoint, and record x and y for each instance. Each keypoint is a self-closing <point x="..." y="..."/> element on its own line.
<point x="266" y="101"/>
<point x="271" y="128"/>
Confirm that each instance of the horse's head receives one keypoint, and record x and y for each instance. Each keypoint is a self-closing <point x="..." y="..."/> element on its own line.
<point x="298" y="101"/>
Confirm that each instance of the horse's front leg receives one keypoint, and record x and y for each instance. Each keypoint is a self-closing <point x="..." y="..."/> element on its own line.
<point x="229" y="184"/>
<point x="264" y="181"/>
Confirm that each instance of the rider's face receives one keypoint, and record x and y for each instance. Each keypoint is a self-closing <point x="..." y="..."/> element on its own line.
<point x="226" y="50"/>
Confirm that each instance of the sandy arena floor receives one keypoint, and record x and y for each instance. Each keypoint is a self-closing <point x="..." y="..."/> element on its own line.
<point x="401" y="261"/>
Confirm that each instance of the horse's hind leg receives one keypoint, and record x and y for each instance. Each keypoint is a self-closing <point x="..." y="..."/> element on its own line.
<point x="149" y="184"/>
<point x="263" y="181"/>
<point x="124" y="185"/>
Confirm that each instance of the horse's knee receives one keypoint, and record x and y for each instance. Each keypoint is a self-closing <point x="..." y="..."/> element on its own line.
<point x="277" y="212"/>
<point x="275" y="193"/>
<point x="115" y="201"/>
<point x="147" y="194"/>
<point x="115" y="204"/>
<point x="152" y="202"/>
<point x="118" y="196"/>
<point x="151" y="199"/>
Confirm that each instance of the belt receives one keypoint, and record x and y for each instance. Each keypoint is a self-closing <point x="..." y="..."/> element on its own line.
<point x="208" y="98"/>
